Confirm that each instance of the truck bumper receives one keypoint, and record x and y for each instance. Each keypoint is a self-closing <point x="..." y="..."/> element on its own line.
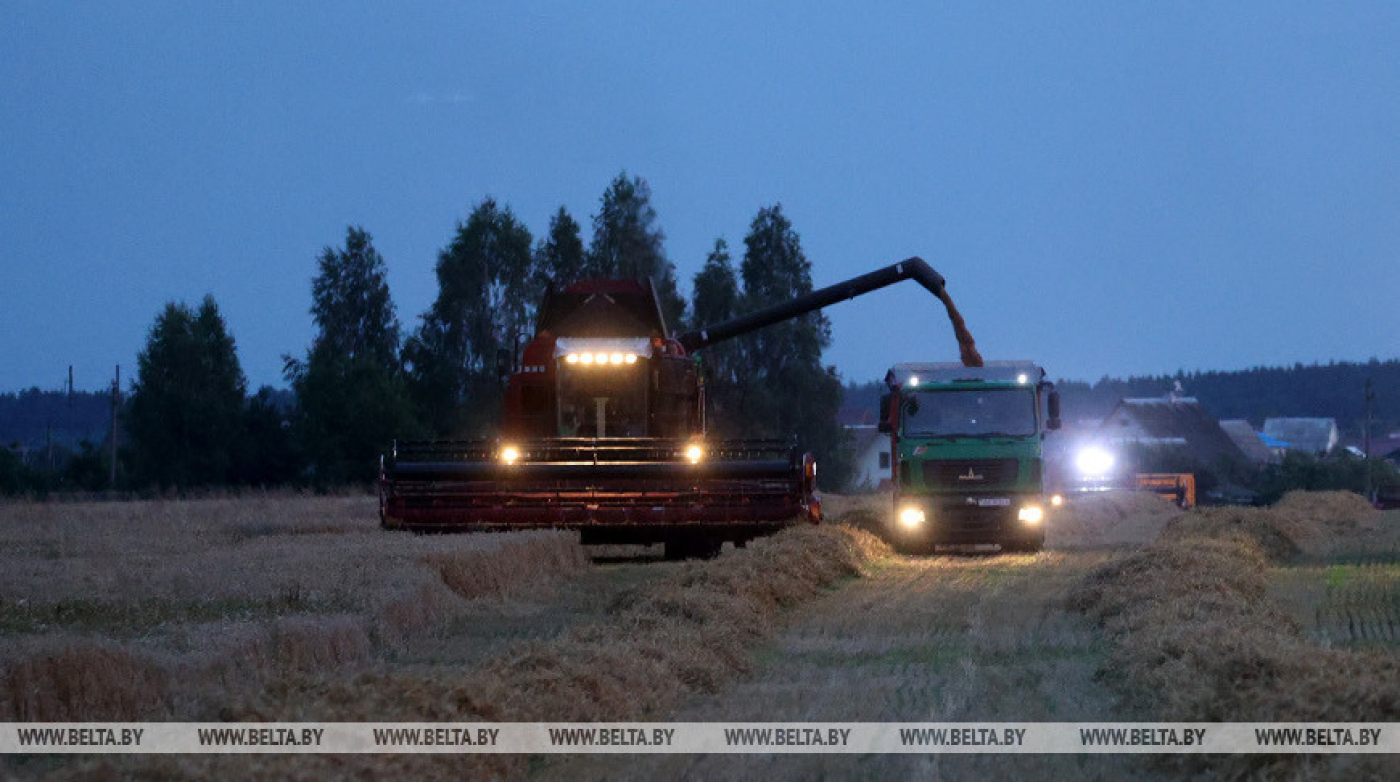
<point x="968" y="520"/>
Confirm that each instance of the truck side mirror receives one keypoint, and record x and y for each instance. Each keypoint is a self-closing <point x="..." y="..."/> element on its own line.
<point x="883" y="421"/>
<point x="1052" y="404"/>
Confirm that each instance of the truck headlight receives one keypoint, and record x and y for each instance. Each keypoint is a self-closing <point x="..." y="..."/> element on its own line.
<point x="1031" y="514"/>
<point x="911" y="517"/>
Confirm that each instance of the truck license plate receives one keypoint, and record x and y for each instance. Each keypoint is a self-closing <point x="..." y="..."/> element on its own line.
<point x="998" y="502"/>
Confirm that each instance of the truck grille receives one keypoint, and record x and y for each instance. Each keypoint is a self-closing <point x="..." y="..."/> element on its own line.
<point x="970" y="474"/>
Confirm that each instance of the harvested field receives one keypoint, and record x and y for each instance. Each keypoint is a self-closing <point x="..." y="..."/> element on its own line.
<point x="166" y="610"/>
<point x="302" y="609"/>
<point x="945" y="638"/>
<point x="1217" y="622"/>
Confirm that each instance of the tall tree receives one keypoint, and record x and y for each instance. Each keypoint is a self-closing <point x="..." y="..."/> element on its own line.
<point x="716" y="299"/>
<point x="559" y="256"/>
<point x="351" y="396"/>
<point x="783" y="387"/>
<point x="627" y="243"/>
<point x="483" y="305"/>
<point x="186" y="412"/>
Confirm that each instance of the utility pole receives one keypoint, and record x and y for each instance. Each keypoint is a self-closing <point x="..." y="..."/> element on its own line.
<point x="1370" y="395"/>
<point x="116" y="402"/>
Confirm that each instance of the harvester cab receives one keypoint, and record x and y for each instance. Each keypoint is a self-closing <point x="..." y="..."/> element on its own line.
<point x="604" y="432"/>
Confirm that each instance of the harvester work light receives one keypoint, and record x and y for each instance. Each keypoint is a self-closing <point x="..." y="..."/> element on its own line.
<point x="601" y="359"/>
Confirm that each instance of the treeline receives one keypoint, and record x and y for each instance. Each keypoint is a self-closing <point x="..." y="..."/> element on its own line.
<point x="1333" y="390"/>
<point x="189" y="420"/>
<point x="35" y="418"/>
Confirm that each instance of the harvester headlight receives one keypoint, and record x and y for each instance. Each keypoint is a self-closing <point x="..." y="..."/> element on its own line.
<point x="572" y="358"/>
<point x="615" y="358"/>
<point x="1057" y="500"/>
<point x="585" y="358"/>
<point x="630" y="358"/>
<point x="1031" y="514"/>
<point x="911" y="517"/>
<point x="510" y="454"/>
<point x="1094" y="462"/>
<point x="693" y="453"/>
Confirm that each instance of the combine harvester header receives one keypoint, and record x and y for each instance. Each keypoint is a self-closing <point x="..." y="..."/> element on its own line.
<point x="605" y="432"/>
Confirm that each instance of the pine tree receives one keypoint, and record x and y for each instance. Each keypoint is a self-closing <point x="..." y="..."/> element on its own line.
<point x="716" y="299"/>
<point x="351" y="397"/>
<point x="782" y="386"/>
<point x="483" y="306"/>
<point x="186" y="412"/>
<point x="627" y="244"/>
<point x="559" y="257"/>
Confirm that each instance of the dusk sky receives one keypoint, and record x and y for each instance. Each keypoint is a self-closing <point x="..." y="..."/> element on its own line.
<point x="1110" y="188"/>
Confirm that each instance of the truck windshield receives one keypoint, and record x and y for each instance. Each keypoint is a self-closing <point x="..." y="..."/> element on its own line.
<point x="989" y="412"/>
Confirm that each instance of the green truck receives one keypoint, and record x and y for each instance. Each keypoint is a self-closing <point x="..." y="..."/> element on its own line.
<point x="966" y="463"/>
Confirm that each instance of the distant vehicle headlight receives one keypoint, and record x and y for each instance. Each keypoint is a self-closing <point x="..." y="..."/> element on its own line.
<point x="693" y="453"/>
<point x="510" y="454"/>
<point x="1031" y="514"/>
<point x="911" y="517"/>
<point x="1057" y="500"/>
<point x="1094" y="462"/>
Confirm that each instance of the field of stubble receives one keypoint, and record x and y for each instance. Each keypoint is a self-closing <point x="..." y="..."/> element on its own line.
<point x="302" y="609"/>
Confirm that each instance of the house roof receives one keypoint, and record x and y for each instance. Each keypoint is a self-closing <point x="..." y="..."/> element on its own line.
<point x="1170" y="421"/>
<point x="1249" y="441"/>
<point x="1314" y="435"/>
<point x="1273" y="442"/>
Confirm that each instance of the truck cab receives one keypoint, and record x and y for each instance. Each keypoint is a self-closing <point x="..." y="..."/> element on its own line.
<point x="967" y="463"/>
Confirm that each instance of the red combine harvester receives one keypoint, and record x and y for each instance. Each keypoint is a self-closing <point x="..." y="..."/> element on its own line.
<point x="604" y="432"/>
